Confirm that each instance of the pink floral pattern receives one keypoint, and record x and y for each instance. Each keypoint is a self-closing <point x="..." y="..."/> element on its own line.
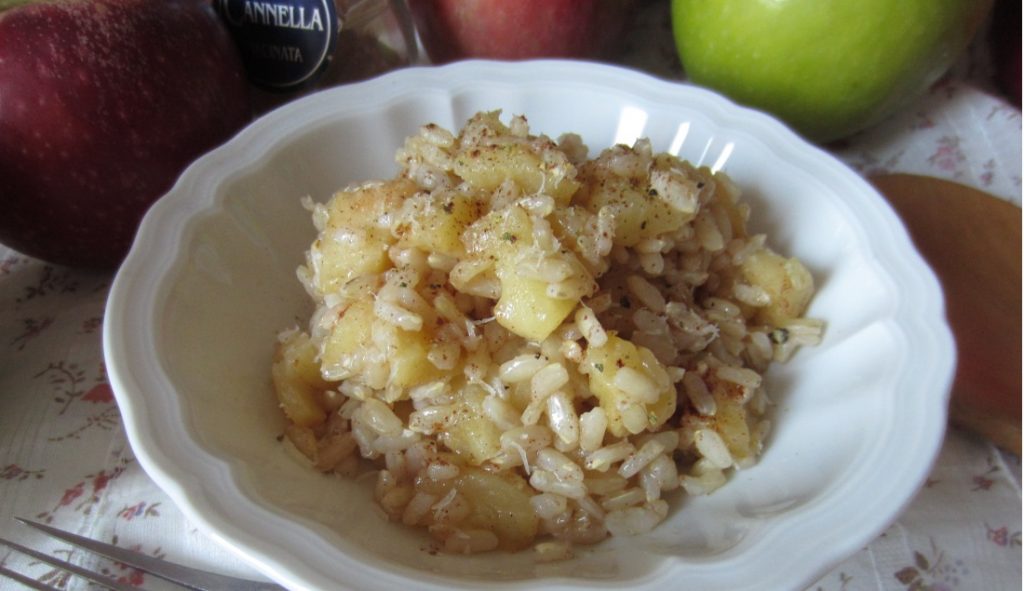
<point x="936" y="140"/>
<point x="14" y="472"/>
<point x="31" y="328"/>
<point x="65" y="459"/>
<point x="1004" y="537"/>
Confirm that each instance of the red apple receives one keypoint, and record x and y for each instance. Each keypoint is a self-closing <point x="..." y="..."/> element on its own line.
<point x="103" y="103"/>
<point x="519" y="29"/>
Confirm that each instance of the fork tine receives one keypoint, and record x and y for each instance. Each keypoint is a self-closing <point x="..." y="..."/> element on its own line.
<point x="63" y="565"/>
<point x="190" y="578"/>
<point x="31" y="583"/>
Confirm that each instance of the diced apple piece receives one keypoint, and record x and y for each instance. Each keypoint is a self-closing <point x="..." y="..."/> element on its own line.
<point x="409" y="363"/>
<point x="637" y="216"/>
<point x="303" y="438"/>
<point x="368" y="205"/>
<point x="301" y="353"/>
<point x="356" y="235"/>
<point x="525" y="308"/>
<point x="639" y="212"/>
<point x="604" y="363"/>
<point x="486" y="167"/>
<point x="730" y="422"/>
<point x="787" y="281"/>
<point x="500" y="503"/>
<point x="297" y="380"/>
<point x="348" y="336"/>
<point x="499" y="233"/>
<point x="578" y="229"/>
<point x="345" y="254"/>
<point x="474" y="438"/>
<point x="434" y="222"/>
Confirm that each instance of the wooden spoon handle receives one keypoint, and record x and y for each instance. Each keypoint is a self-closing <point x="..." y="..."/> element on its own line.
<point x="972" y="241"/>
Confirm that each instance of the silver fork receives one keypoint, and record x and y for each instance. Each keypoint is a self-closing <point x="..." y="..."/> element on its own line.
<point x="187" y="578"/>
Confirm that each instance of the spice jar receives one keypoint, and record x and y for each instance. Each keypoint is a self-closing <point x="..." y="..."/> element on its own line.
<point x="293" y="47"/>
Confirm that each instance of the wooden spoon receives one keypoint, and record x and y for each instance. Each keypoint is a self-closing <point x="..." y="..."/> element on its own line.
<point x="972" y="241"/>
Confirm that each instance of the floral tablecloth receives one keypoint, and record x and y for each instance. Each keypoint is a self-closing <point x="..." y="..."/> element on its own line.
<point x="65" y="460"/>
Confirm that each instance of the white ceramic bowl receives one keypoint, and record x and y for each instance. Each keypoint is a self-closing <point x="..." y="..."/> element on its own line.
<point x="193" y="313"/>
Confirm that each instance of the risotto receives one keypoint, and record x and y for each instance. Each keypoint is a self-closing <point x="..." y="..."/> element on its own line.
<point x="532" y="348"/>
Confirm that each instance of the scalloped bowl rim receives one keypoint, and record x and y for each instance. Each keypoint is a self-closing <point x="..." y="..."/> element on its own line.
<point x="144" y="392"/>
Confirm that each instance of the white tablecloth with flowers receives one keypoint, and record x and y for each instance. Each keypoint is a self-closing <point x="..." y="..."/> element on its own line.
<point x="65" y="460"/>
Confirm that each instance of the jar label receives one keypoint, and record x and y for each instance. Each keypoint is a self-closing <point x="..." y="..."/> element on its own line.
<point x="284" y="43"/>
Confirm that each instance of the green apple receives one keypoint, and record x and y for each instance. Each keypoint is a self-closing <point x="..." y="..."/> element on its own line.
<point x="829" y="68"/>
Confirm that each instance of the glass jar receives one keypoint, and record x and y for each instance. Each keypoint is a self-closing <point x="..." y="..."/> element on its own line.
<point x="293" y="47"/>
